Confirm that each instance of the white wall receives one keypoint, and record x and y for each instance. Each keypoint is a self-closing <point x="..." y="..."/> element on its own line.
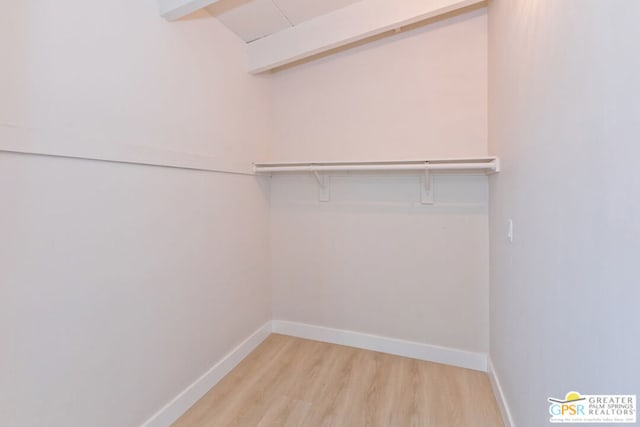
<point x="564" y="120"/>
<point x="116" y="73"/>
<point x="121" y="284"/>
<point x="374" y="259"/>
<point x="419" y="93"/>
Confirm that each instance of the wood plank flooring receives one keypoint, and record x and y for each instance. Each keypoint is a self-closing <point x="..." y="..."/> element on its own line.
<point x="290" y="381"/>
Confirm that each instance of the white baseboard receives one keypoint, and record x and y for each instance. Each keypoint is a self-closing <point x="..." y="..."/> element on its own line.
<point x="183" y="401"/>
<point x="500" y="397"/>
<point x="416" y="350"/>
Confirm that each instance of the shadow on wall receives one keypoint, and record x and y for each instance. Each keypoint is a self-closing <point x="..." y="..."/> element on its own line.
<point x="376" y="194"/>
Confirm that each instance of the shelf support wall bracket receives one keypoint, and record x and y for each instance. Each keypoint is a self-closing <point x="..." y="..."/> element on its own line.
<point x="323" y="182"/>
<point x="426" y="196"/>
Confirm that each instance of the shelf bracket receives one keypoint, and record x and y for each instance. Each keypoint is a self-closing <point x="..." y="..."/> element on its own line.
<point x="323" y="182"/>
<point x="426" y="196"/>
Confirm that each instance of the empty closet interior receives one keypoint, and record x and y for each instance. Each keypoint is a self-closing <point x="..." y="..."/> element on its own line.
<point x="184" y="182"/>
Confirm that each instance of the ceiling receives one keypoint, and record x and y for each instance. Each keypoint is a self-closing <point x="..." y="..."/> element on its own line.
<point x="282" y="32"/>
<point x="254" y="19"/>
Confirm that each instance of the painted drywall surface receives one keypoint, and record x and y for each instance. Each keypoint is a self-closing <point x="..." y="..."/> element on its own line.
<point x="564" y="120"/>
<point x="421" y="93"/>
<point x="122" y="284"/>
<point x="374" y="259"/>
<point x="84" y="72"/>
<point x="117" y="284"/>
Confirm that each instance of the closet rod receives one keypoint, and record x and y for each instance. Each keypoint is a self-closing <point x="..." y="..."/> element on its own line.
<point x="491" y="166"/>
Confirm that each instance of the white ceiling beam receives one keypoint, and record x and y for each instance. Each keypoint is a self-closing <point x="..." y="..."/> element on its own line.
<point x="176" y="9"/>
<point x="350" y="24"/>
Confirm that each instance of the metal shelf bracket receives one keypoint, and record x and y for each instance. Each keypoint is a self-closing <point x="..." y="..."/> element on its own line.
<point x="426" y="196"/>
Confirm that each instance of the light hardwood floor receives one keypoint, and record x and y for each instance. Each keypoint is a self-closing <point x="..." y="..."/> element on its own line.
<point x="290" y="381"/>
